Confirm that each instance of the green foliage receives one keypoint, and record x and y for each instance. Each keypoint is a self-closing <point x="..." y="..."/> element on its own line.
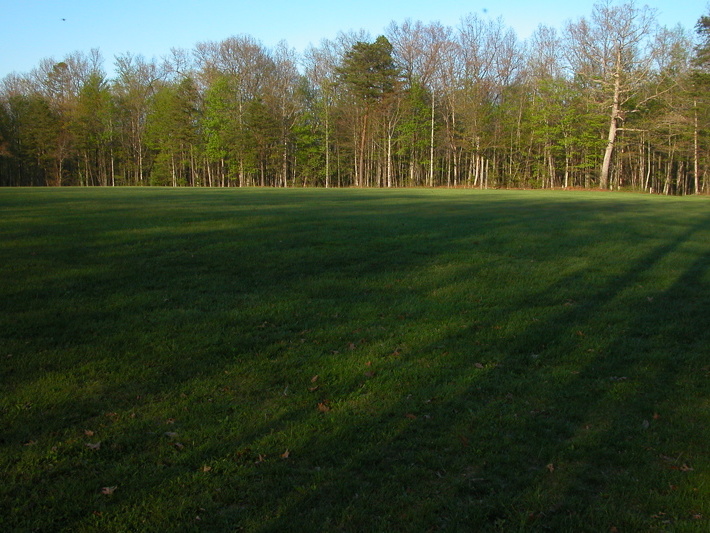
<point x="369" y="70"/>
<point x="310" y="148"/>
<point x="413" y="128"/>
<point x="173" y="132"/>
<point x="91" y="128"/>
<point x="477" y="107"/>
<point x="220" y="110"/>
<point x="36" y="129"/>
<point x="702" y="51"/>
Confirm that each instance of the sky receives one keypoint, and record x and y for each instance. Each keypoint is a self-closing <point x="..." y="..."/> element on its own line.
<point x="36" y="29"/>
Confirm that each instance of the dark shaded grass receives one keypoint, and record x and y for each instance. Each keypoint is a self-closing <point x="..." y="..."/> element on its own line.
<point x="485" y="360"/>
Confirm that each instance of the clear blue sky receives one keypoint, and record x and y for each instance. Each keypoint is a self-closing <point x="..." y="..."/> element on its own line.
<point x="36" y="29"/>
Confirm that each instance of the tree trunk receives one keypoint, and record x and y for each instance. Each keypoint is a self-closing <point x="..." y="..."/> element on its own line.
<point x="696" y="153"/>
<point x="613" y="125"/>
<point x="327" y="147"/>
<point x="431" y="146"/>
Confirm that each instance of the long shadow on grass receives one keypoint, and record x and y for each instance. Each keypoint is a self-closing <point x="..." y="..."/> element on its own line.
<point x="533" y="439"/>
<point x="428" y="435"/>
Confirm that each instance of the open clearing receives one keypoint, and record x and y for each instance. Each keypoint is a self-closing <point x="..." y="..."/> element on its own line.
<point x="353" y="360"/>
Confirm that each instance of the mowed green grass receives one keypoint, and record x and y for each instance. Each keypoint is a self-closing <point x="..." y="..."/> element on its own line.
<point x="353" y="360"/>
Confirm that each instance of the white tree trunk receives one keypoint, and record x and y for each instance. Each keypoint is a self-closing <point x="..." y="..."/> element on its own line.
<point x="613" y="124"/>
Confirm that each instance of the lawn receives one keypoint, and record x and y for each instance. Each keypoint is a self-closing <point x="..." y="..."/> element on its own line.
<point x="353" y="360"/>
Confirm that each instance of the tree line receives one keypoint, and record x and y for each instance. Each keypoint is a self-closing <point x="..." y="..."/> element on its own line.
<point x="610" y="101"/>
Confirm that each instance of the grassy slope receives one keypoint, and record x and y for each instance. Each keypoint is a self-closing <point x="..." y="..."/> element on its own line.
<point x="353" y="360"/>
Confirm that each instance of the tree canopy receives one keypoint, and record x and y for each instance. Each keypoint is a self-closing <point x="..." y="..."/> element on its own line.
<point x="608" y="101"/>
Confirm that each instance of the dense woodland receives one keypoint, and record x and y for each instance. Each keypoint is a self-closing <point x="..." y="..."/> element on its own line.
<point x="612" y="100"/>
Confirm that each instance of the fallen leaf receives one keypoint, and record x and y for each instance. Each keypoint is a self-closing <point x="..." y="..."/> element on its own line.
<point x="170" y="421"/>
<point x="313" y="389"/>
<point x="550" y="467"/>
<point x="369" y="363"/>
<point x="656" y="416"/>
<point x="351" y="346"/>
<point x="323" y="408"/>
<point x="93" y="446"/>
<point x="686" y="468"/>
<point x="88" y="433"/>
<point x="108" y="490"/>
<point x="411" y="416"/>
<point x="171" y="434"/>
<point x="206" y="468"/>
<point x="285" y="455"/>
<point x="314" y="378"/>
<point x="479" y="365"/>
<point x="178" y="445"/>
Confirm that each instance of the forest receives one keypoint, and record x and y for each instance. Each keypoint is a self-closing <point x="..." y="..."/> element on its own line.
<point x="610" y="101"/>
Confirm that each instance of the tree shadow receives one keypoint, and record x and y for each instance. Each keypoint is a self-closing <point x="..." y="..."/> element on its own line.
<point x="488" y="420"/>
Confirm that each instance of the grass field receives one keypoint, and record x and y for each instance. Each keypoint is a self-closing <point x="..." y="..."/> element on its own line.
<point x="353" y="360"/>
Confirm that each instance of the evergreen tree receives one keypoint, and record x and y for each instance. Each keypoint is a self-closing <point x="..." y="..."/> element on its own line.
<point x="369" y="72"/>
<point x="92" y="131"/>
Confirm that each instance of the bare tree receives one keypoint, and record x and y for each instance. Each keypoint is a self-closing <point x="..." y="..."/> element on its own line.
<point x="614" y="53"/>
<point x="422" y="52"/>
<point x="321" y="71"/>
<point x="134" y="84"/>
